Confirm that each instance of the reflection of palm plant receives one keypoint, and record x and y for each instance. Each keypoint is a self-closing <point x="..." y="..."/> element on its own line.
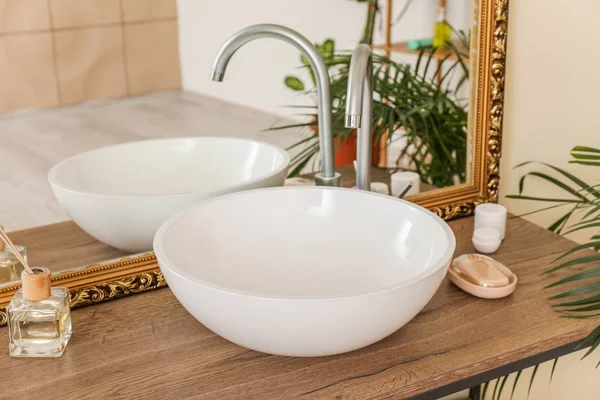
<point x="583" y="213"/>
<point x="407" y="98"/>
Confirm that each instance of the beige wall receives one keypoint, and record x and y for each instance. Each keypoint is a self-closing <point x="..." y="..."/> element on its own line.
<point x="552" y="87"/>
<point x="552" y="104"/>
<point x="58" y="52"/>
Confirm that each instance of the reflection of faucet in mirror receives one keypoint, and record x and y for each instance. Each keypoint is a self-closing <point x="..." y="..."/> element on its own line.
<point x="327" y="176"/>
<point x="359" y="111"/>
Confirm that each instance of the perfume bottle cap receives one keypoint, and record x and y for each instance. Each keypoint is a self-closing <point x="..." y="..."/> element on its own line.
<point x="36" y="285"/>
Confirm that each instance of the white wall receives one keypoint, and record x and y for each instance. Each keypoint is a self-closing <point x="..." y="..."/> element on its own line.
<point x="255" y="75"/>
<point x="552" y="98"/>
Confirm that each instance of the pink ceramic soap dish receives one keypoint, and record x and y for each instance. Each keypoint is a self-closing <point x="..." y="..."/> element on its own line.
<point x="482" y="276"/>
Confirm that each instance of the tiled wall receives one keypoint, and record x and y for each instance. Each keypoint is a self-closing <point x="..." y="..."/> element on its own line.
<point x="60" y="52"/>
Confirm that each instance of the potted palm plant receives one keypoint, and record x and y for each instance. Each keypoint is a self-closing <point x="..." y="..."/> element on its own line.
<point x="581" y="204"/>
<point x="407" y="98"/>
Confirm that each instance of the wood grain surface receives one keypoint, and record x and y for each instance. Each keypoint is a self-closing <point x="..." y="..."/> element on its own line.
<point x="63" y="246"/>
<point x="148" y="346"/>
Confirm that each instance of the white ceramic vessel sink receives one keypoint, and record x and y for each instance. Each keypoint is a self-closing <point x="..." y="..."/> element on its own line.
<point x="304" y="271"/>
<point x="122" y="194"/>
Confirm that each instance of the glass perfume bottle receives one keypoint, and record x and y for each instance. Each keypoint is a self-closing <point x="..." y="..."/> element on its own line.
<point x="10" y="267"/>
<point x="39" y="317"/>
<point x="442" y="31"/>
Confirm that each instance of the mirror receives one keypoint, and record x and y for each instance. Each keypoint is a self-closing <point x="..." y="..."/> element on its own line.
<point x="421" y="113"/>
<point x="451" y="139"/>
<point x="438" y="110"/>
<point x="433" y="131"/>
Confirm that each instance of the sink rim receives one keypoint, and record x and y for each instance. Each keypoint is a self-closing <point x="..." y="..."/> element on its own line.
<point x="52" y="174"/>
<point x="164" y="262"/>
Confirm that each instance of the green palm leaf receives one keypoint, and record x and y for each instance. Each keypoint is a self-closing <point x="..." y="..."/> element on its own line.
<point x="585" y="156"/>
<point x="512" y="392"/>
<point x="294" y="83"/>
<point x="495" y="389"/>
<point x="434" y="119"/>
<point x="585" y="205"/>
<point x="588" y="300"/>
<point x="485" y="389"/>
<point x="552" y="180"/>
<point x="580" y="290"/>
<point x="585" y="149"/>
<point x="553" y="200"/>
<point x="584" y="309"/>
<point x="576" y="277"/>
<point x="576" y="249"/>
<point x="592" y="339"/>
<point x="553" y="369"/>
<point x="585" y="225"/>
<point x="560" y="223"/>
<point x="502" y="383"/>
<point x="580" y="183"/>
<point x="535" y="369"/>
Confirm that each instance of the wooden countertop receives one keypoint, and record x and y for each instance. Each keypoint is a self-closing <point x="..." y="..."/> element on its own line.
<point x="148" y="346"/>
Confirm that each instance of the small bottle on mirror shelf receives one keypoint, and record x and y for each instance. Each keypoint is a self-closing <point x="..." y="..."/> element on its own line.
<point x="10" y="266"/>
<point x="39" y="317"/>
<point x="442" y="31"/>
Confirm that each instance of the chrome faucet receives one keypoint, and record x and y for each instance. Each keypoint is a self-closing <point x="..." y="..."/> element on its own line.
<point x="327" y="176"/>
<point x="359" y="111"/>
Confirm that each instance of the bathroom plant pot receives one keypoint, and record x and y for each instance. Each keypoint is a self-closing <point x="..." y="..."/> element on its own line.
<point x="345" y="150"/>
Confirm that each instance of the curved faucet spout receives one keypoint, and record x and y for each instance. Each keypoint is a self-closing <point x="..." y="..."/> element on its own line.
<point x="327" y="176"/>
<point x="359" y="111"/>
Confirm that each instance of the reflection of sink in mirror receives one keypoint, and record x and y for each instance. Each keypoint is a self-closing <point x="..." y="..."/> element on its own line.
<point x="304" y="271"/>
<point x="121" y="194"/>
<point x="35" y="140"/>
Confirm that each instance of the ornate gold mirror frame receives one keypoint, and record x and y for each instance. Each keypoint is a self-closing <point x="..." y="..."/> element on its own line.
<point x="138" y="273"/>
<point x="100" y="282"/>
<point x="487" y="109"/>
